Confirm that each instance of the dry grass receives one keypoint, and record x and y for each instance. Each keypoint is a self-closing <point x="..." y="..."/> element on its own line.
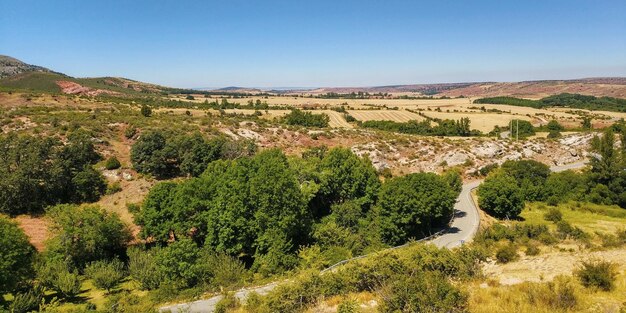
<point x="36" y="228"/>
<point x="385" y="115"/>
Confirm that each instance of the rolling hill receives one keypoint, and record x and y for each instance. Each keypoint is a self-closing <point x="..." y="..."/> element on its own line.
<point x="17" y="75"/>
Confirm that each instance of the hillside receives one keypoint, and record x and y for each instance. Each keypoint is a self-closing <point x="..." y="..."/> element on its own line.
<point x="17" y="75"/>
<point x="10" y="66"/>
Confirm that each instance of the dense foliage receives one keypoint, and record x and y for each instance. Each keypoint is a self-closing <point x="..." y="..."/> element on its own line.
<point x="442" y="128"/>
<point x="16" y="257"/>
<point x="83" y="234"/>
<point x="39" y="171"/>
<point x="575" y="101"/>
<point x="411" y="206"/>
<point x="262" y="209"/>
<point x="166" y="156"/>
<point x="305" y="118"/>
<point x="500" y="196"/>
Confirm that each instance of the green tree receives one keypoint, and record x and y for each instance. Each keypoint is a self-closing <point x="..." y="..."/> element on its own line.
<point x="553" y="125"/>
<point x="86" y="233"/>
<point x="143" y="267"/>
<point x="177" y="262"/>
<point x="410" y="206"/>
<point x="40" y="171"/>
<point x="345" y="176"/>
<point x="150" y="155"/>
<point x="56" y="275"/>
<point x="521" y="128"/>
<point x="16" y="257"/>
<point x="105" y="274"/>
<point x="500" y="196"/>
<point x="88" y="184"/>
<point x="607" y="167"/>
<point x="530" y="176"/>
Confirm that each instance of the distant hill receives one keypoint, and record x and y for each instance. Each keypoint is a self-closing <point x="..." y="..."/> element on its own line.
<point x="10" y="66"/>
<point x="15" y="74"/>
<point x="18" y="75"/>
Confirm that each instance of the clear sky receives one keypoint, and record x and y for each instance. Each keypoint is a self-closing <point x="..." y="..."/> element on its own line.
<point x="295" y="43"/>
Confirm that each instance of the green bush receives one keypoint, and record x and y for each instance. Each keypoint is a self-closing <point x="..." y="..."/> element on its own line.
<point x="532" y="249"/>
<point x="566" y="230"/>
<point x="500" y="196"/>
<point x="146" y="111"/>
<point x="96" y="234"/>
<point x="506" y="254"/>
<point x="112" y="163"/>
<point x="227" y="303"/>
<point x="56" y="275"/>
<point x="24" y="302"/>
<point x="142" y="266"/>
<point x="348" y="306"/>
<point x="114" y="188"/>
<point x="553" y="215"/>
<point x="105" y="274"/>
<point x="422" y="292"/>
<point x="597" y="274"/>
<point x="16" y="257"/>
<point x="308" y="119"/>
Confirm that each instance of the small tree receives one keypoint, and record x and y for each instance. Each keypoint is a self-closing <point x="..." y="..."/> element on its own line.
<point x="55" y="274"/>
<point x="500" y="196"/>
<point x="105" y="274"/>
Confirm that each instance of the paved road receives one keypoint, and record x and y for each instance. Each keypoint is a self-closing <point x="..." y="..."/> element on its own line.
<point x="464" y="227"/>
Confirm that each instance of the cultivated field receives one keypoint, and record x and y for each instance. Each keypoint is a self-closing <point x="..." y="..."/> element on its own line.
<point x="385" y="115"/>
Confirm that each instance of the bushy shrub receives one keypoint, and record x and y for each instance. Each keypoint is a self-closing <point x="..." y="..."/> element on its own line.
<point x="559" y="294"/>
<point x="142" y="266"/>
<point x="112" y="163"/>
<point x="57" y="276"/>
<point x="227" y="303"/>
<point x="348" y="306"/>
<point x="422" y="292"/>
<point x="507" y="253"/>
<point x="146" y="111"/>
<point x="28" y="301"/>
<point x="105" y="274"/>
<point x="114" y="188"/>
<point x="532" y="249"/>
<point x="566" y="230"/>
<point x="302" y="118"/>
<point x="553" y="215"/>
<point x="597" y="274"/>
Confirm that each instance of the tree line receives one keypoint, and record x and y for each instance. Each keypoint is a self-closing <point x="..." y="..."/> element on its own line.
<point x="307" y="119"/>
<point x="576" y="101"/>
<point x="459" y="127"/>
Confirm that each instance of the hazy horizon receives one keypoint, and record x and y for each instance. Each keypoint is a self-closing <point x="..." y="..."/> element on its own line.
<point x="323" y="43"/>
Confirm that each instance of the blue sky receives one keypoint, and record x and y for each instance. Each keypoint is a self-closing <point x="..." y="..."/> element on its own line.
<point x="318" y="43"/>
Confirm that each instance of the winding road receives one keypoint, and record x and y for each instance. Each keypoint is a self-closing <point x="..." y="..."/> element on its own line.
<point x="462" y="229"/>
